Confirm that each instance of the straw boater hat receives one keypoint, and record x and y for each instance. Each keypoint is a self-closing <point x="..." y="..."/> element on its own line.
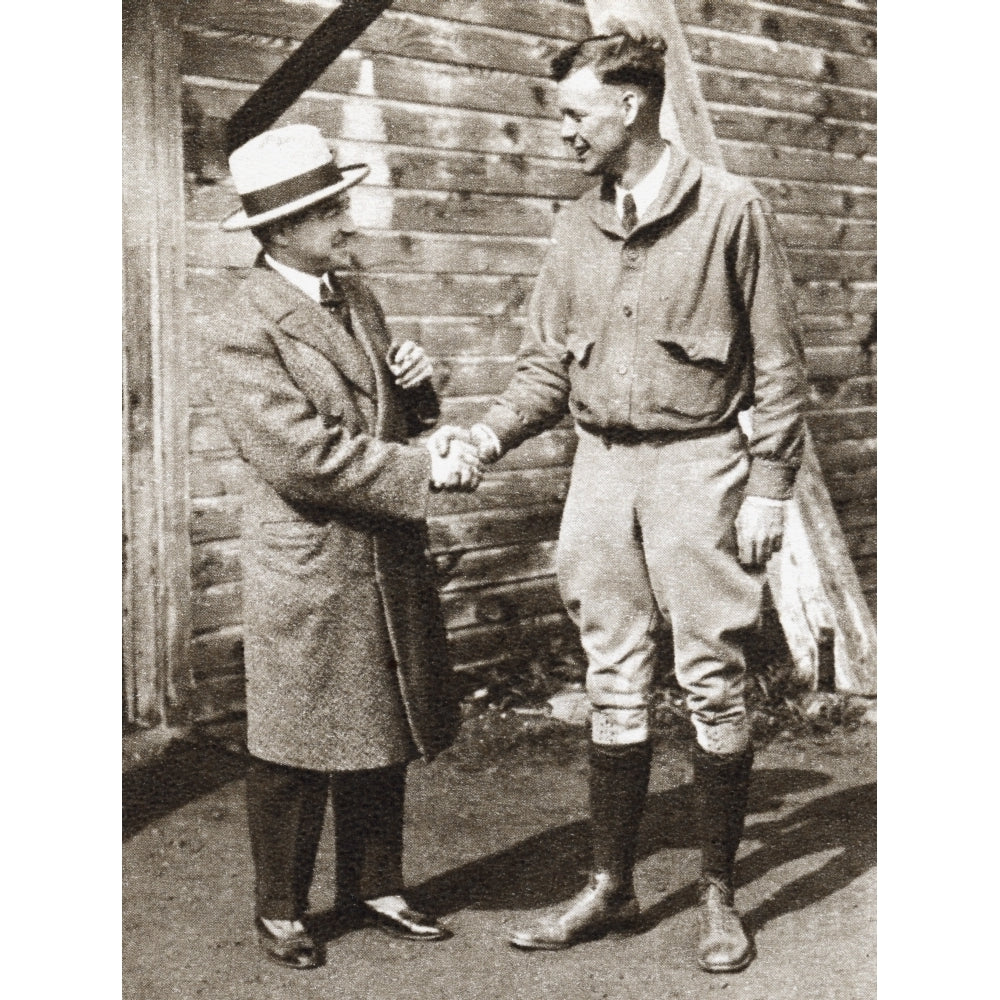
<point x="282" y="171"/>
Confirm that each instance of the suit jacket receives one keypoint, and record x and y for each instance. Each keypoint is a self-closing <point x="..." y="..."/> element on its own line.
<point x="345" y="649"/>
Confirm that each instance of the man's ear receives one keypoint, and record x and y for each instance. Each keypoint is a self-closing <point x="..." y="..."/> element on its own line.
<point x="631" y="103"/>
<point x="279" y="235"/>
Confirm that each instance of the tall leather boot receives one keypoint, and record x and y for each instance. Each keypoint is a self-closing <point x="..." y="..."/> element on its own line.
<point x="722" y="784"/>
<point x="619" y="780"/>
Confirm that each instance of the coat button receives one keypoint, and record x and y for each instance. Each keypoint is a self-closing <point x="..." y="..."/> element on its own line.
<point x="622" y="370"/>
<point x="627" y="310"/>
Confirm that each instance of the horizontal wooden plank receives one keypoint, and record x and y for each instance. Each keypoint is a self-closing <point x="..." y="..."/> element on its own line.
<point x="554" y="18"/>
<point x="774" y="129"/>
<point x="460" y="570"/>
<point x="838" y="362"/>
<point x="247" y="59"/>
<point x="858" y="485"/>
<point x="842" y="35"/>
<point x="218" y="698"/>
<point x="451" y="295"/>
<point x="216" y="475"/>
<point x="217" y="653"/>
<point x="206" y="433"/>
<point x="862" y="11"/>
<point x="829" y="233"/>
<point x="836" y="394"/>
<point x="467" y="376"/>
<point x="360" y="118"/>
<point x="755" y="160"/>
<point x="520" y="488"/>
<point x="812" y="198"/>
<point x="399" y="294"/>
<point x="217" y="607"/>
<point x="213" y="563"/>
<point x="858" y="514"/>
<point x="515" y="640"/>
<point x="488" y="529"/>
<point x="839" y="425"/>
<point x="397" y="32"/>
<point x="215" y="519"/>
<point x="457" y="337"/>
<point x="425" y="211"/>
<point x="501" y="604"/>
<point x="762" y="55"/>
<point x="731" y="87"/>
<point x="833" y="297"/>
<point x="813" y="264"/>
<point x="847" y="457"/>
<point x="863" y="541"/>
<point x="412" y="253"/>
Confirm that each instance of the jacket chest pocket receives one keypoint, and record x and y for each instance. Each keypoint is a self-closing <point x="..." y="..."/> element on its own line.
<point x="690" y="371"/>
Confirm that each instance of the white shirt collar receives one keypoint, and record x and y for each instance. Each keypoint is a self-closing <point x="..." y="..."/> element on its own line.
<point x="648" y="188"/>
<point x="307" y="283"/>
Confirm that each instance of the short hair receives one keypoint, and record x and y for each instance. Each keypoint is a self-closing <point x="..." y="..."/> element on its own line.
<point x="618" y="58"/>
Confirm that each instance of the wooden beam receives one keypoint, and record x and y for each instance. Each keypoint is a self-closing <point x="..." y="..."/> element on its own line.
<point x="157" y="567"/>
<point x="814" y="584"/>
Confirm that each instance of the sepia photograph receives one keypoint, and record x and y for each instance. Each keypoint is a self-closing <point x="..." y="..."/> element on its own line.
<point x="499" y="438"/>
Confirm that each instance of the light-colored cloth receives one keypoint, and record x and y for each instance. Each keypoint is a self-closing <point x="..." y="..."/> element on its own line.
<point x="678" y="327"/>
<point x="647" y="534"/>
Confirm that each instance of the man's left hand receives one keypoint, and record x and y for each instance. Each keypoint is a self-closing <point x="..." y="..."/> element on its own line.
<point x="760" y="526"/>
<point x="409" y="363"/>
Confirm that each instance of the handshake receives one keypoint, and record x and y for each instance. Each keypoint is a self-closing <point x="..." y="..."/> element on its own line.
<point x="458" y="455"/>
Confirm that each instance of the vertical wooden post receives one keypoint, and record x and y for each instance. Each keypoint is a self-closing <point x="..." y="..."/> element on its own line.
<point x="157" y="588"/>
<point x="813" y="583"/>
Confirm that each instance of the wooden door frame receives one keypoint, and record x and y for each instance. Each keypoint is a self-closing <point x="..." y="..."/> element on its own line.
<point x="157" y="549"/>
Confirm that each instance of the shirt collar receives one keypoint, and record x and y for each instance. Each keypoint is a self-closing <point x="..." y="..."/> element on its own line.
<point x="307" y="283"/>
<point x="644" y="193"/>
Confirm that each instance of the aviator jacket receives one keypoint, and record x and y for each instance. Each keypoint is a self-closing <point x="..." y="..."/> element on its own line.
<point x="674" y="327"/>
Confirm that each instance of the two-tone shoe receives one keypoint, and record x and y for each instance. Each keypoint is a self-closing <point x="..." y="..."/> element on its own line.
<point x="297" y="950"/>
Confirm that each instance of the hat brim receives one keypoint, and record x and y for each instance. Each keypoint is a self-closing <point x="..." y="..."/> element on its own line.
<point x="353" y="174"/>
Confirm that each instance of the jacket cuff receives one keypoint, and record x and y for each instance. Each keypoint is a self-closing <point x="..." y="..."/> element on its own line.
<point x="506" y="424"/>
<point x="771" y="479"/>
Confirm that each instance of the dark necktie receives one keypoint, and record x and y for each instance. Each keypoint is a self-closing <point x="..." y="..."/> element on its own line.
<point x="331" y="297"/>
<point x="630" y="218"/>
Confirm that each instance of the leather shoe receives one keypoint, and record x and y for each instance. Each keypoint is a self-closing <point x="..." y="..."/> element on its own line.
<point x="723" y="945"/>
<point x="603" y="907"/>
<point x="406" y="923"/>
<point x="294" y="951"/>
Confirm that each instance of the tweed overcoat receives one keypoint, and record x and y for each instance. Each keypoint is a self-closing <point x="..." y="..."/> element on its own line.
<point x="344" y="645"/>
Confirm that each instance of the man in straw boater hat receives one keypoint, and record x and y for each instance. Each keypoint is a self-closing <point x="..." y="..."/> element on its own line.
<point x="663" y="309"/>
<point x="346" y="667"/>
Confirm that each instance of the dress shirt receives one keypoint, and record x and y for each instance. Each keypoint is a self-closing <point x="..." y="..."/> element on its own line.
<point x="645" y="192"/>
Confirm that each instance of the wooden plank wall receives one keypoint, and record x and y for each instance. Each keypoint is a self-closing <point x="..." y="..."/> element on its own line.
<point x="791" y="89"/>
<point x="450" y="103"/>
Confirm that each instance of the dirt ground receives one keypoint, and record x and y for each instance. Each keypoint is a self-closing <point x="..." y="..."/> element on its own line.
<point x="495" y="828"/>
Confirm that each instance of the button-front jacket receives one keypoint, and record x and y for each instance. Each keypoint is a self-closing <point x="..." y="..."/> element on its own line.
<point x="673" y="327"/>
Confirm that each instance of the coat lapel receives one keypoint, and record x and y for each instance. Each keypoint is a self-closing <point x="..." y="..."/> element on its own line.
<point x="305" y="320"/>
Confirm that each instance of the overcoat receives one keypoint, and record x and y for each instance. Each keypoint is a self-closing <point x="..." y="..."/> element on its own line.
<point x="344" y="648"/>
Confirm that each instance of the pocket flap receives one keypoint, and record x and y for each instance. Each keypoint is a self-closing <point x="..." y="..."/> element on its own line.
<point x="712" y="344"/>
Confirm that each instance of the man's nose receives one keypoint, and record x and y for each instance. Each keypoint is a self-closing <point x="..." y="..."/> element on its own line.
<point x="346" y="225"/>
<point x="567" y="131"/>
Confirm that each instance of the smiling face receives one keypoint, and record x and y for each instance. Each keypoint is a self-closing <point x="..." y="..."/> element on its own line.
<point x="316" y="240"/>
<point x="595" y="117"/>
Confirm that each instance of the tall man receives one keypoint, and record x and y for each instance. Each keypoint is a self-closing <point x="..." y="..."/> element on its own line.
<point x="662" y="310"/>
<point x="347" y="676"/>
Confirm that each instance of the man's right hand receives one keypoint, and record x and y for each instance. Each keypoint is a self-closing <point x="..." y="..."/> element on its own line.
<point x="454" y="459"/>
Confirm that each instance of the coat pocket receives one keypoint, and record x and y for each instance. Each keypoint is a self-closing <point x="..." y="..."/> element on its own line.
<point x="689" y="372"/>
<point x="292" y="546"/>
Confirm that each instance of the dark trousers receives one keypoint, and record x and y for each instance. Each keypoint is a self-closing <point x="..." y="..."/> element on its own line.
<point x="285" y="808"/>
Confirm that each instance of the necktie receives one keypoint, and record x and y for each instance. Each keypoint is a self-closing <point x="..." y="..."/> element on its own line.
<point x="630" y="217"/>
<point x="331" y="297"/>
